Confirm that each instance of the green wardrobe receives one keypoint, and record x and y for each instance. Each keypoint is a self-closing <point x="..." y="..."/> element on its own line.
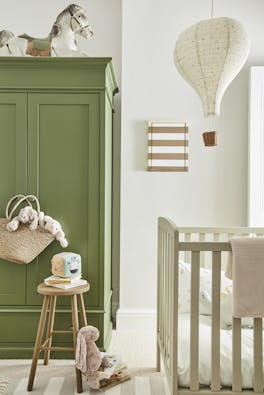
<point x="56" y="143"/>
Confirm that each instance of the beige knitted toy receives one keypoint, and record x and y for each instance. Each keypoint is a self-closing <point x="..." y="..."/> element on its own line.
<point x="26" y="215"/>
<point x="54" y="227"/>
<point x="88" y="357"/>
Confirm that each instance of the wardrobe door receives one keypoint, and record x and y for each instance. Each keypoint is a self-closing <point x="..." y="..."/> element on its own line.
<point x="63" y="170"/>
<point x="13" y="180"/>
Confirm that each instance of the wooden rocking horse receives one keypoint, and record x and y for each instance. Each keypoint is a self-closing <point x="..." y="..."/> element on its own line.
<point x="60" y="41"/>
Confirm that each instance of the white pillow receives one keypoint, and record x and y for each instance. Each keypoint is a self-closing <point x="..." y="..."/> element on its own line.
<point x="226" y="307"/>
<point x="206" y="290"/>
<point x="184" y="293"/>
<point x="226" y="316"/>
<point x="205" y="297"/>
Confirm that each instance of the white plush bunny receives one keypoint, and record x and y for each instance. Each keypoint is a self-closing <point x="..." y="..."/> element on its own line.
<point x="26" y="215"/>
<point x="54" y="227"/>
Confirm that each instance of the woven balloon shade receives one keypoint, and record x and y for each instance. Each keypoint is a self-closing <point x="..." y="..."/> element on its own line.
<point x="209" y="55"/>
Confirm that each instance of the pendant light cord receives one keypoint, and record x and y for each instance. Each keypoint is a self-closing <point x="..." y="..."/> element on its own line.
<point x="212" y="9"/>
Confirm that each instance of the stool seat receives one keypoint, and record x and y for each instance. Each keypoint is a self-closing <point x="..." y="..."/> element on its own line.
<point x="52" y="291"/>
<point x="49" y="304"/>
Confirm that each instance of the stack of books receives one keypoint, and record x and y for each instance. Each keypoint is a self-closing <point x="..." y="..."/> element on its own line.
<point x="115" y="373"/>
<point x="64" y="282"/>
<point x="118" y="377"/>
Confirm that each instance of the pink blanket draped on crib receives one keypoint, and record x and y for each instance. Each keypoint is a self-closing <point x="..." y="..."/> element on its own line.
<point x="246" y="268"/>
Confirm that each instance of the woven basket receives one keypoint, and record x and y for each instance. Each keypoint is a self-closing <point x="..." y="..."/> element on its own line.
<point x="22" y="245"/>
<point x="210" y="139"/>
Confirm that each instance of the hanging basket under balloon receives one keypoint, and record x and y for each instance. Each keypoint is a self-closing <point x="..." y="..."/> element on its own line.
<point x="210" y="139"/>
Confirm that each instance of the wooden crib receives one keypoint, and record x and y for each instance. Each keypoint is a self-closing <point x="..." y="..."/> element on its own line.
<point x="199" y="246"/>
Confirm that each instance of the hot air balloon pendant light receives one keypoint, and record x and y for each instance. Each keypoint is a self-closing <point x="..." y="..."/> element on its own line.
<point x="209" y="55"/>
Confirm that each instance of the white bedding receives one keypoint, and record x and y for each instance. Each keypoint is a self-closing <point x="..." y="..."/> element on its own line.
<point x="205" y="353"/>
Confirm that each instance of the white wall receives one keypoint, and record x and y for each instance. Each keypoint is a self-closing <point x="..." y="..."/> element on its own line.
<point x="214" y="191"/>
<point x="256" y="145"/>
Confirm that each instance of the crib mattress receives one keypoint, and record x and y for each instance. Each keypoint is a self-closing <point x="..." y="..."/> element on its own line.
<point x="205" y="354"/>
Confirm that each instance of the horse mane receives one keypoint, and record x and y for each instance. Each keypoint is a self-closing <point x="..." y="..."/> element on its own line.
<point x="55" y="30"/>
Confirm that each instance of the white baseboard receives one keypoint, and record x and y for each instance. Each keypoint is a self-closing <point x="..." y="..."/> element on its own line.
<point x="136" y="320"/>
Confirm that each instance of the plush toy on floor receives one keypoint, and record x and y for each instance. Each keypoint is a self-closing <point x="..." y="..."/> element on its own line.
<point x="54" y="227"/>
<point x="27" y="215"/>
<point x="88" y="357"/>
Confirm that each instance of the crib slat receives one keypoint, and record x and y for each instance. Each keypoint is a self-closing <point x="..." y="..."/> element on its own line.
<point x="167" y="294"/>
<point x="202" y="253"/>
<point x="169" y="286"/>
<point x="258" y="372"/>
<point x="158" y="300"/>
<point x="236" y="358"/>
<point x="216" y="236"/>
<point x="187" y="238"/>
<point x="166" y="286"/>
<point x="201" y="236"/>
<point x="215" y="348"/>
<point x="163" y="289"/>
<point x="174" y="321"/>
<point x="194" y="324"/>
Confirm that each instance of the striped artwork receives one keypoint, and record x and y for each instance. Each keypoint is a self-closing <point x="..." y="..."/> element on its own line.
<point x="153" y="384"/>
<point x="168" y="146"/>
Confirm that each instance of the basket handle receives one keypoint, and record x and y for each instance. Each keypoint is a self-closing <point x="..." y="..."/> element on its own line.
<point x="10" y="203"/>
<point x="22" y="199"/>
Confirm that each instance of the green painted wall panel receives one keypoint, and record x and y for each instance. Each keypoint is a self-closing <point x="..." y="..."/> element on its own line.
<point x="64" y="173"/>
<point x="21" y="346"/>
<point x="13" y="180"/>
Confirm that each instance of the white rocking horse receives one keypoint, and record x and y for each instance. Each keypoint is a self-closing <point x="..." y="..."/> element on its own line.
<point x="60" y="42"/>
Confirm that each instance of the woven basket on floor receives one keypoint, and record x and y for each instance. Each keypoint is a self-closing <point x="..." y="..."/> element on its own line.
<point x="22" y="245"/>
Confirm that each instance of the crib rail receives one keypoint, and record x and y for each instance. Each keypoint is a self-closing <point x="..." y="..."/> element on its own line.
<point x="213" y="234"/>
<point x="194" y="241"/>
<point x="167" y="317"/>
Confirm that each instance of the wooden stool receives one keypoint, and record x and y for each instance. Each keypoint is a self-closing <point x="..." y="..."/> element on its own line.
<point x="50" y="297"/>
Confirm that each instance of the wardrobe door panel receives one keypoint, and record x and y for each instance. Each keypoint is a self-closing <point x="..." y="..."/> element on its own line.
<point x="13" y="180"/>
<point x="63" y="170"/>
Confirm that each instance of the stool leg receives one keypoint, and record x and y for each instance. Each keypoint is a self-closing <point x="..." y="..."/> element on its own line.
<point x="38" y="342"/>
<point x="82" y="310"/>
<point x="75" y="324"/>
<point x="53" y="300"/>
